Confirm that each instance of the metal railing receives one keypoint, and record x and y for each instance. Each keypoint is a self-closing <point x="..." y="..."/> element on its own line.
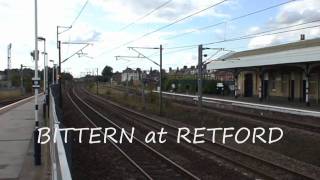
<point x="59" y="163"/>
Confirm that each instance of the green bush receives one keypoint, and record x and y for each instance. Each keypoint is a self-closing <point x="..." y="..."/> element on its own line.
<point x="191" y="86"/>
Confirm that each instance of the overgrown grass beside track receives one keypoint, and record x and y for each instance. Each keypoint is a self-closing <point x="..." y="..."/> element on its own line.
<point x="9" y="93"/>
<point x="298" y="144"/>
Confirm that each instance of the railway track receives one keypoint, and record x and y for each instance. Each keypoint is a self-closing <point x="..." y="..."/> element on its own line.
<point x="262" y="167"/>
<point x="148" y="161"/>
<point x="8" y="101"/>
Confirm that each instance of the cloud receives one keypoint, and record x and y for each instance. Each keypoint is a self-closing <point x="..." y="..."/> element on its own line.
<point x="291" y="14"/>
<point x="4" y="4"/>
<point x="84" y="33"/>
<point x="299" y="11"/>
<point x="17" y="27"/>
<point x="129" y="10"/>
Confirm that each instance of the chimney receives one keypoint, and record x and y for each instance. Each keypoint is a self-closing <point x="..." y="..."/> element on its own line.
<point x="302" y="37"/>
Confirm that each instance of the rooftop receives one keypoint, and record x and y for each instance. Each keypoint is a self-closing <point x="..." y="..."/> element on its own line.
<point x="278" y="48"/>
<point x="297" y="52"/>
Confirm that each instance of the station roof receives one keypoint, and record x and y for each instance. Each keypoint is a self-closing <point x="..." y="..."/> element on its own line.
<point x="296" y="52"/>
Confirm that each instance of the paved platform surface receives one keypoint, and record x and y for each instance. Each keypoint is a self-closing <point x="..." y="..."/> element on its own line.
<point x="16" y="148"/>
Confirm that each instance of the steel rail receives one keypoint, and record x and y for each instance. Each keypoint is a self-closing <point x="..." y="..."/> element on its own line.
<point x="163" y="157"/>
<point x="113" y="144"/>
<point x="302" y="125"/>
<point x="306" y="176"/>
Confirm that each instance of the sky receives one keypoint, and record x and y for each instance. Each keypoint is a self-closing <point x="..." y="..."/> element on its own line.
<point x="111" y="26"/>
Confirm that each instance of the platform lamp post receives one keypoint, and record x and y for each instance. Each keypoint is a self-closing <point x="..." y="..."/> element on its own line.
<point x="21" y="79"/>
<point x="45" y="74"/>
<point x="36" y="86"/>
<point x="44" y="62"/>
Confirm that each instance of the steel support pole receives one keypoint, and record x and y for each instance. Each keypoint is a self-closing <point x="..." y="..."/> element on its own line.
<point x="97" y="81"/>
<point x="59" y="75"/>
<point x="44" y="69"/>
<point x="200" y="49"/>
<point x="142" y="93"/>
<point x="127" y="82"/>
<point x="53" y="79"/>
<point x="56" y="74"/>
<point x="307" y="91"/>
<point x="160" y="82"/>
<point x="21" y="79"/>
<point x="9" y="66"/>
<point x="37" y="146"/>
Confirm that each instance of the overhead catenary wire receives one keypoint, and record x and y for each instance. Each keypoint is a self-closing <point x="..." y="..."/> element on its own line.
<point x="233" y="19"/>
<point x="250" y="36"/>
<point x="146" y="15"/>
<point x="254" y="35"/>
<point x="188" y="47"/>
<point x="165" y="26"/>
<point x="80" y="12"/>
<point x="75" y="20"/>
<point x="173" y="51"/>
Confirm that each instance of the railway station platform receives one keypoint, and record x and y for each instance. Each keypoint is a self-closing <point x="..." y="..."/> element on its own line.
<point x="16" y="142"/>
<point x="282" y="111"/>
<point x="270" y="101"/>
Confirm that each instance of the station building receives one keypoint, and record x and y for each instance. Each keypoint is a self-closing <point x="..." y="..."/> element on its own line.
<point x="288" y="72"/>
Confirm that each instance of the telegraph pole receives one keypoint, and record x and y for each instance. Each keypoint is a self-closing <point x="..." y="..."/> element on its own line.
<point x="160" y="82"/>
<point x="201" y="65"/>
<point x="97" y="81"/>
<point x="36" y="86"/>
<point x="200" y="50"/>
<point x="142" y="92"/>
<point x="21" y="79"/>
<point x="59" y="70"/>
<point x="127" y="81"/>
<point x="140" y="55"/>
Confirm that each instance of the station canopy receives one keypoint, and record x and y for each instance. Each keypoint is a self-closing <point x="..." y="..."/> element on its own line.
<point x="292" y="53"/>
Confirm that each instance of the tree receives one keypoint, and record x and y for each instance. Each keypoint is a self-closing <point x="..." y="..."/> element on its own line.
<point x="107" y="73"/>
<point x="67" y="76"/>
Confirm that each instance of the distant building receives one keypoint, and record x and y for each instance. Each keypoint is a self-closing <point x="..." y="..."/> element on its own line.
<point x="153" y="75"/>
<point x="4" y="80"/>
<point x="2" y="76"/>
<point x="221" y="75"/>
<point x="116" y="77"/>
<point x="185" y="72"/>
<point x="131" y="75"/>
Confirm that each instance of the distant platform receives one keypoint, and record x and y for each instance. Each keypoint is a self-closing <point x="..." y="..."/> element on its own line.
<point x="294" y="109"/>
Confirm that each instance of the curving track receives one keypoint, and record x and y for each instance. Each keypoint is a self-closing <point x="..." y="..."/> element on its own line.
<point x="263" y="168"/>
<point x="148" y="161"/>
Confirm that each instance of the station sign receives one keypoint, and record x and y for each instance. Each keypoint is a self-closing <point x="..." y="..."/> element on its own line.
<point x="36" y="83"/>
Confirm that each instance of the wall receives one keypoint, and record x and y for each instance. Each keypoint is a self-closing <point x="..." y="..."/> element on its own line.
<point x="278" y="84"/>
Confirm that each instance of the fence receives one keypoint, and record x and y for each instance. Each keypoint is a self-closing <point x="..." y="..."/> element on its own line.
<point x="59" y="163"/>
